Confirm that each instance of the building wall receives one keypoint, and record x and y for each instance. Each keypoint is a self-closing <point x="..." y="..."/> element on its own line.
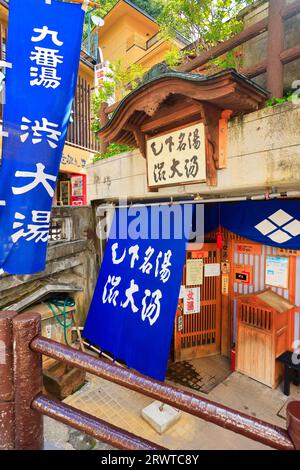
<point x="125" y="34"/>
<point x="263" y="153"/>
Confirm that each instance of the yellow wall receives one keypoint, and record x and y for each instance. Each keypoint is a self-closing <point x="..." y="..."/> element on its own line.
<point x="124" y="26"/>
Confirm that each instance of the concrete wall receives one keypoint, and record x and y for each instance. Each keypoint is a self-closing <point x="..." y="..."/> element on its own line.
<point x="72" y="263"/>
<point x="264" y="152"/>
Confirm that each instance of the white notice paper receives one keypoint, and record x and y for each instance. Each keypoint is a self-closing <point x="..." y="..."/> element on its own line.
<point x="212" y="270"/>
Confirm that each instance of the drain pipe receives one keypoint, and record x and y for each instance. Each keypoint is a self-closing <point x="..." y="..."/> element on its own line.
<point x="199" y="200"/>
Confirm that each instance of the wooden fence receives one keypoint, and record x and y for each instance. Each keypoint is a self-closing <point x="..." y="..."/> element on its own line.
<point x="277" y="55"/>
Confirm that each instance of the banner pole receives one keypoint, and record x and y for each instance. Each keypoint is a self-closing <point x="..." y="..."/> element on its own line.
<point x="90" y="4"/>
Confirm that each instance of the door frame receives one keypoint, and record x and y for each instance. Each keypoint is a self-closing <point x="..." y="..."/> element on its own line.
<point x="178" y="356"/>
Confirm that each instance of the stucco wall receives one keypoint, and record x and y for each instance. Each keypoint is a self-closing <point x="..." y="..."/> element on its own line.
<point x="264" y="152"/>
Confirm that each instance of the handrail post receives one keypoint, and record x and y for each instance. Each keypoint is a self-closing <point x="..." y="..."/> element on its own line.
<point x="293" y="422"/>
<point x="7" y="408"/>
<point x="28" y="380"/>
<point x="275" y="68"/>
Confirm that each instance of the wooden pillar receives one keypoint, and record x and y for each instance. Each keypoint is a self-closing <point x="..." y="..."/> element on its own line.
<point x="7" y="423"/>
<point x="275" y="70"/>
<point x="28" y="380"/>
<point x="103" y="122"/>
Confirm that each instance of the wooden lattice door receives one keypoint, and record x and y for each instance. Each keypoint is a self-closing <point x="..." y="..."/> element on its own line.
<point x="199" y="335"/>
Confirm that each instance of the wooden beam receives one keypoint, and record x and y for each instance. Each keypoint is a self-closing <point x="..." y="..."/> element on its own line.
<point x="103" y="121"/>
<point x="245" y="35"/>
<point x="293" y="53"/>
<point x="170" y="116"/>
<point x="275" y="48"/>
<point x="139" y="137"/>
<point x="255" y="70"/>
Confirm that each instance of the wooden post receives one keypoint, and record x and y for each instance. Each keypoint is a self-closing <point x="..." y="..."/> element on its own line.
<point x="275" y="69"/>
<point x="28" y="381"/>
<point x="7" y="423"/>
<point x="103" y="122"/>
<point x="293" y="422"/>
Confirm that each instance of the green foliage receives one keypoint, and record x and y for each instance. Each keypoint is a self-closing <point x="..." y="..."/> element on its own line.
<point x="174" y="57"/>
<point x="285" y="99"/>
<point x="231" y="60"/>
<point x="122" y="80"/>
<point x="204" y="22"/>
<point x="112" y="150"/>
<point x="125" y="78"/>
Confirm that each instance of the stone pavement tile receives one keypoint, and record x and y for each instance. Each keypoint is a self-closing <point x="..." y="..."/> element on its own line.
<point x="122" y="407"/>
<point x="124" y="411"/>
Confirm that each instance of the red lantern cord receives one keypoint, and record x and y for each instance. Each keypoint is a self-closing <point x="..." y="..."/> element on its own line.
<point x="219" y="232"/>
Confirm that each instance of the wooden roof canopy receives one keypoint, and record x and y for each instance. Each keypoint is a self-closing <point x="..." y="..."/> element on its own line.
<point x="167" y="99"/>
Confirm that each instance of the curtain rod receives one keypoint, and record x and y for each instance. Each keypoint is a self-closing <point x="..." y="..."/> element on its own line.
<point x="89" y="4"/>
<point x="260" y="197"/>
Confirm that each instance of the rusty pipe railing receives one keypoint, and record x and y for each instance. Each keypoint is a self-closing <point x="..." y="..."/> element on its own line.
<point x="90" y="425"/>
<point x="253" y="428"/>
<point x="22" y="403"/>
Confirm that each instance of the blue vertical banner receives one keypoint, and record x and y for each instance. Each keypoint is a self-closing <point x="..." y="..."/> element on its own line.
<point x="135" y="301"/>
<point x="44" y="42"/>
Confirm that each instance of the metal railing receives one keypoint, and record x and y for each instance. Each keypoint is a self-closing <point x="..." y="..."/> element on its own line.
<point x="22" y="403"/>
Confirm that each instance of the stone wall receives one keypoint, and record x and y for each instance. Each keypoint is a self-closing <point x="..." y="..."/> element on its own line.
<point x="264" y="153"/>
<point x="71" y="263"/>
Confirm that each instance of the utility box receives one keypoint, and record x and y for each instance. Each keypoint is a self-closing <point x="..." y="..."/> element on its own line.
<point x="263" y="332"/>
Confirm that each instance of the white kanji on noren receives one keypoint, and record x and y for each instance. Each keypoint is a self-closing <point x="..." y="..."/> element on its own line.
<point x="110" y="293"/>
<point x="46" y="57"/>
<point x="47" y="77"/>
<point x="37" y="229"/>
<point x="40" y="130"/>
<point x="133" y="289"/>
<point x="38" y="177"/>
<point x="46" y="74"/>
<point x="151" y="306"/>
<point x="43" y="33"/>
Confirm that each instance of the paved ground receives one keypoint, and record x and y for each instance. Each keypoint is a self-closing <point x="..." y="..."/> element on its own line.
<point x="122" y="408"/>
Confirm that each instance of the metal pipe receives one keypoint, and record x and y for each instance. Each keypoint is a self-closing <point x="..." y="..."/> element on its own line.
<point x="270" y="435"/>
<point x="90" y="425"/>
<point x="259" y="197"/>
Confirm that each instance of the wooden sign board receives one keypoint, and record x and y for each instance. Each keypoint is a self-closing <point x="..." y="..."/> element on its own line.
<point x="225" y="284"/>
<point x="243" y="274"/>
<point x="199" y="254"/>
<point x="248" y="249"/>
<point x="285" y="252"/>
<point x="177" y="158"/>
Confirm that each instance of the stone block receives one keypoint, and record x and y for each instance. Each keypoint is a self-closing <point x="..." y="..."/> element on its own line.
<point x="160" y="416"/>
